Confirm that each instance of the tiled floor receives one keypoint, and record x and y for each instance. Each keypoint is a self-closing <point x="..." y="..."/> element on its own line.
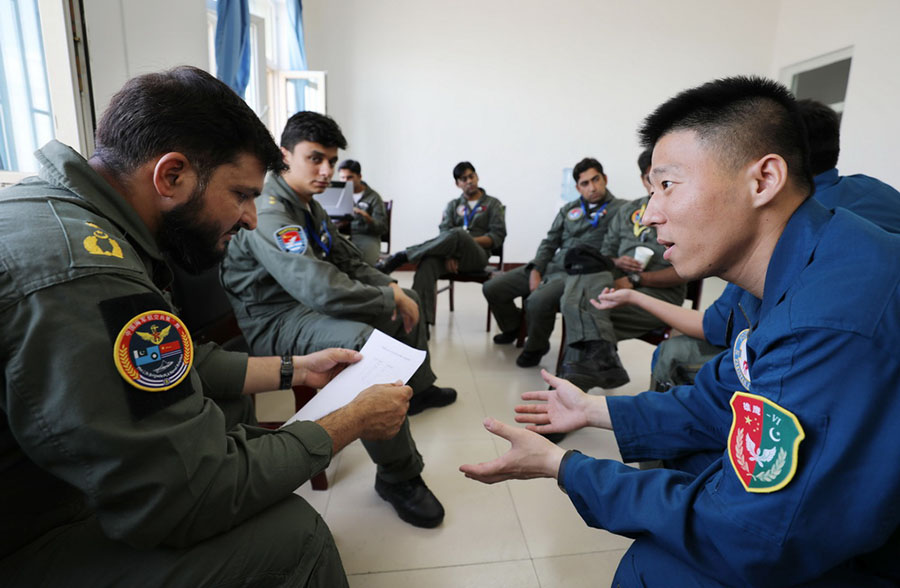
<point x="516" y="534"/>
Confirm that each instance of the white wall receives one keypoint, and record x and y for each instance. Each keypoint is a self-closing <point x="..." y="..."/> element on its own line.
<point x="522" y="88"/>
<point x="131" y="37"/>
<point x="870" y="128"/>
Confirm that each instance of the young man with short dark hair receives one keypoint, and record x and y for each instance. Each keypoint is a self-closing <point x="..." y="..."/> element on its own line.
<point x="472" y="225"/>
<point x="296" y="284"/>
<point x="801" y="412"/>
<point x="369" y="216"/>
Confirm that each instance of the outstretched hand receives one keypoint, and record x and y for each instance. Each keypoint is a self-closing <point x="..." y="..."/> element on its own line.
<point x="317" y="369"/>
<point x="530" y="456"/>
<point x="612" y="298"/>
<point x="564" y="407"/>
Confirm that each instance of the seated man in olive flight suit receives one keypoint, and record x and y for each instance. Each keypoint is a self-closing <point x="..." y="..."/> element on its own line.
<point x="297" y="285"/>
<point x="128" y="454"/>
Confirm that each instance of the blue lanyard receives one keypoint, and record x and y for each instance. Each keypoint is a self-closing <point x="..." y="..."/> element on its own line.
<point x="468" y="216"/>
<point x="598" y="214"/>
<point x="324" y="238"/>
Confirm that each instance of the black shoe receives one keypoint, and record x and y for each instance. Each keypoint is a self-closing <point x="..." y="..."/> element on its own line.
<point x="506" y="337"/>
<point x="392" y="263"/>
<point x="599" y="366"/>
<point x="413" y="501"/>
<point x="531" y="358"/>
<point x="431" y="397"/>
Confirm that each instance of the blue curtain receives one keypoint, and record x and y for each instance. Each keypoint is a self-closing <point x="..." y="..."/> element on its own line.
<point x="297" y="50"/>
<point x="233" y="44"/>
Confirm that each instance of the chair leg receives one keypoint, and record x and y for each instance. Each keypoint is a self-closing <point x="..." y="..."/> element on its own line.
<point x="523" y="327"/>
<point x="487" y="326"/>
<point x="451" y="294"/>
<point x="562" y="348"/>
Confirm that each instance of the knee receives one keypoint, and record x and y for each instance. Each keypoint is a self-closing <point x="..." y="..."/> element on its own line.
<point x="412" y="294"/>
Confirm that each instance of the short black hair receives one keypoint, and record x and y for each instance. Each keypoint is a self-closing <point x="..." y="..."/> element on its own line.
<point x="312" y="127"/>
<point x="352" y="165"/>
<point x="644" y="161"/>
<point x="187" y="110"/>
<point x="584" y="165"/>
<point x="743" y="117"/>
<point x="462" y="167"/>
<point x="823" y="131"/>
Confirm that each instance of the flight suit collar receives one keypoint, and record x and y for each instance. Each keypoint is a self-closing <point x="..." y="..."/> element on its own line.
<point x="463" y="200"/>
<point x="826" y="179"/>
<point x="794" y="251"/>
<point x="63" y="167"/>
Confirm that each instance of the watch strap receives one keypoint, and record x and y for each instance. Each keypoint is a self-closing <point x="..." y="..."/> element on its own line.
<point x="287" y="371"/>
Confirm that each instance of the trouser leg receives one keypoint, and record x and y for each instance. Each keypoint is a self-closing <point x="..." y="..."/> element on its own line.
<point x="501" y="292"/>
<point x="678" y="358"/>
<point x="418" y="338"/>
<point x="457" y="244"/>
<point x="305" y="331"/>
<point x="425" y="285"/>
<point x="287" y="544"/>
<point x="541" y="307"/>
<point x="584" y="322"/>
<point x="369" y="246"/>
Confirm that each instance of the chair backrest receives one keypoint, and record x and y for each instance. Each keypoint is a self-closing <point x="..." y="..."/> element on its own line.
<point x="498" y="265"/>
<point x="694" y="289"/>
<point x="386" y="237"/>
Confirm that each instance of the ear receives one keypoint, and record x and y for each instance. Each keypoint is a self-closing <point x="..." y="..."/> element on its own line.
<point x="768" y="176"/>
<point x="174" y="179"/>
<point x="286" y="156"/>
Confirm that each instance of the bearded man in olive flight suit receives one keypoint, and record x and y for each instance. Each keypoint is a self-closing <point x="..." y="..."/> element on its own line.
<point x="128" y="455"/>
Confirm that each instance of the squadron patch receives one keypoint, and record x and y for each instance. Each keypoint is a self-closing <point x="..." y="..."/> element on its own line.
<point x="575" y="214"/>
<point x="636" y="217"/>
<point x="763" y="443"/>
<point x="153" y="351"/>
<point x="461" y="210"/>
<point x="292" y="239"/>
<point x="363" y="205"/>
<point x="92" y="243"/>
<point x="739" y="358"/>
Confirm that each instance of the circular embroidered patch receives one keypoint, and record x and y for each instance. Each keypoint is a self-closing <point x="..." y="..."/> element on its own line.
<point x="636" y="215"/>
<point x="575" y="214"/>
<point x="461" y="210"/>
<point x="154" y="351"/>
<point x="739" y="358"/>
<point x="292" y="239"/>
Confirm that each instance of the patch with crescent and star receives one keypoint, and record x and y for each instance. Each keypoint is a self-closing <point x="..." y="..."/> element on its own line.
<point x="763" y="443"/>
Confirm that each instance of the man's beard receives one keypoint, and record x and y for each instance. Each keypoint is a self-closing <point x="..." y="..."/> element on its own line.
<point x="187" y="239"/>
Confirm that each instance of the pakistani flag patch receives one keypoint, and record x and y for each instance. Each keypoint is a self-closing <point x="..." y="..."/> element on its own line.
<point x="763" y="443"/>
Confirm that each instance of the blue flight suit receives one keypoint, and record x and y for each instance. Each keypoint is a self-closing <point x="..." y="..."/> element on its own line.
<point x="824" y="347"/>
<point x="868" y="197"/>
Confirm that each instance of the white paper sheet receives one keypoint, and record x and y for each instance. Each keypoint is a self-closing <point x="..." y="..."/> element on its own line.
<point x="385" y="360"/>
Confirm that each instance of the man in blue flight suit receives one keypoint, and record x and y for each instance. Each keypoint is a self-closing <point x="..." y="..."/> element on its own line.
<point x="676" y="360"/>
<point x="802" y="412"/>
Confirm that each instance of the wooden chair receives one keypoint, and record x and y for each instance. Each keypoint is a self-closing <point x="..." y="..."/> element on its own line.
<point x="480" y="277"/>
<point x="386" y="237"/>
<point x="208" y="315"/>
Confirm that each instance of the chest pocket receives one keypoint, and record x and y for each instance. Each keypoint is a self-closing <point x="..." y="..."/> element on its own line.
<point x="93" y="242"/>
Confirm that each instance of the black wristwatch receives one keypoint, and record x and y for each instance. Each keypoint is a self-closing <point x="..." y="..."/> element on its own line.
<point x="287" y="371"/>
<point x="635" y="279"/>
<point x="562" y="468"/>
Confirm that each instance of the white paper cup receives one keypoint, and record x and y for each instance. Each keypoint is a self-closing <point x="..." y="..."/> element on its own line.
<point x="643" y="255"/>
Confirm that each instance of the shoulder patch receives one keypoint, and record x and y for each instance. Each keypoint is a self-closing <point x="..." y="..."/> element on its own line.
<point x="575" y="214"/>
<point x="461" y="210"/>
<point x="94" y="242"/>
<point x="152" y="351"/>
<point x="763" y="443"/>
<point x="292" y="239"/>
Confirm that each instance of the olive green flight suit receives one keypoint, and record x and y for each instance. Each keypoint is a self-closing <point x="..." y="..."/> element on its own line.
<point x="367" y="236"/>
<point x="586" y="323"/>
<point x="106" y="483"/>
<point x="571" y="227"/>
<point x="289" y="295"/>
<point x="456" y="241"/>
